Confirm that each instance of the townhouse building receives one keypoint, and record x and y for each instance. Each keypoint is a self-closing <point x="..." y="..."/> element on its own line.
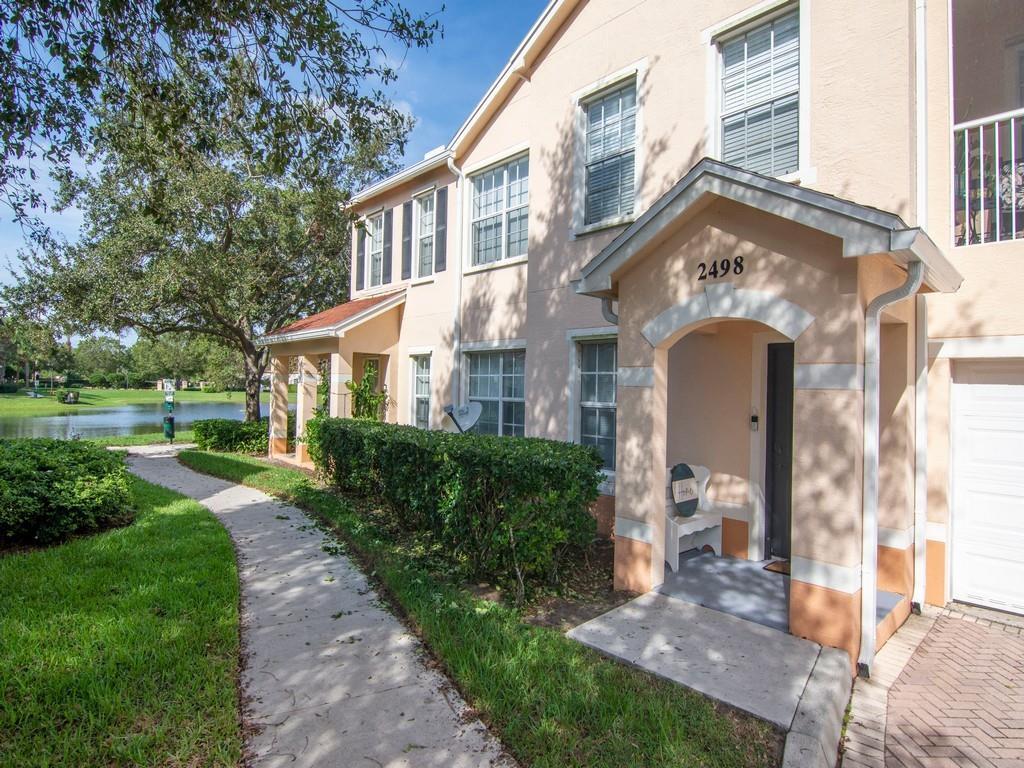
<point x="780" y="240"/>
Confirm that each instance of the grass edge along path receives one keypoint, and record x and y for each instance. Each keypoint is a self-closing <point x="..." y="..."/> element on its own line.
<point x="122" y="648"/>
<point x="552" y="701"/>
<point x="148" y="438"/>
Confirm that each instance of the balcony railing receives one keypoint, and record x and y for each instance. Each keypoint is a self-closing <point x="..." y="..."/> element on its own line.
<point x="988" y="179"/>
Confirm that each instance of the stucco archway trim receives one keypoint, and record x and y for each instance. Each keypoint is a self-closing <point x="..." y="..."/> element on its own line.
<point x="722" y="301"/>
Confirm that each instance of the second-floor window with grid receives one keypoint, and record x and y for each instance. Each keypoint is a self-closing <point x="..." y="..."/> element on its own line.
<point x="497" y="381"/>
<point x="610" y="183"/>
<point x="761" y="97"/>
<point x="598" y="373"/>
<point x="424" y="235"/>
<point x="500" y="212"/>
<point x="421" y="391"/>
<point x="376" y="237"/>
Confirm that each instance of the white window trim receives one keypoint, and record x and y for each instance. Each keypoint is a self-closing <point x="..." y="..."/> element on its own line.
<point x="364" y="220"/>
<point x="478" y="347"/>
<point x="494" y="161"/>
<point x="428" y="353"/>
<point x="417" y="278"/>
<point x="636" y="71"/>
<point x="574" y="337"/>
<point x="369" y="251"/>
<point x="737" y="24"/>
<point x="469" y="270"/>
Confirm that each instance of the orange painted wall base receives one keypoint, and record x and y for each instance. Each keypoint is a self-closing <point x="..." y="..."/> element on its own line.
<point x="278" y="446"/>
<point x="935" y="574"/>
<point x="826" y="616"/>
<point x="892" y="622"/>
<point x="734" y="538"/>
<point x="603" y="511"/>
<point x="896" y="570"/>
<point x="632" y="565"/>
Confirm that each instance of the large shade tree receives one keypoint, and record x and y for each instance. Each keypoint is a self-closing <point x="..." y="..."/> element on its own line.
<point x="223" y="141"/>
<point x="222" y="248"/>
<point x="315" y="71"/>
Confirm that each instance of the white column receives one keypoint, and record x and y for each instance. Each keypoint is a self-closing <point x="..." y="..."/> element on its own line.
<point x="341" y="373"/>
<point x="305" y="403"/>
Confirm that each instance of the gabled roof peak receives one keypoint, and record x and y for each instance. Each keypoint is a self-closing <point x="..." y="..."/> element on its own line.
<point x="863" y="230"/>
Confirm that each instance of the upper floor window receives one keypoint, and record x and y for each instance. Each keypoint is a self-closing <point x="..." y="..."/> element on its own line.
<point x="497" y="381"/>
<point x="424" y="206"/>
<point x="375" y="225"/>
<point x="610" y="155"/>
<point x="500" y="212"/>
<point x="421" y="391"/>
<point x="760" y="118"/>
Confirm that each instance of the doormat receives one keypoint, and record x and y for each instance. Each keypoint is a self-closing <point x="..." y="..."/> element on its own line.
<point x="778" y="566"/>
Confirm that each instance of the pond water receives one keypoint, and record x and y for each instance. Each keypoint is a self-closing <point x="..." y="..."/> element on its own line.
<point x="121" y="420"/>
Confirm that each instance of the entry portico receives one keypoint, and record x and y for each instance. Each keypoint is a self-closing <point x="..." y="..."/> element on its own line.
<point x="356" y="337"/>
<point x="726" y="268"/>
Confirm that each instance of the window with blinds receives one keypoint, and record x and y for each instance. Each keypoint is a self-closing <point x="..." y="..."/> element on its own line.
<point x="610" y="154"/>
<point x="761" y="97"/>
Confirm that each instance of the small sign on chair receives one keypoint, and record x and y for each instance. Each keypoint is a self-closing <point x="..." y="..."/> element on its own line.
<point x="684" y="490"/>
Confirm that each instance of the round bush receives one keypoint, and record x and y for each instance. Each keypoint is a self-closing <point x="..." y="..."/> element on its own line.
<point x="50" y="489"/>
<point x="231" y="436"/>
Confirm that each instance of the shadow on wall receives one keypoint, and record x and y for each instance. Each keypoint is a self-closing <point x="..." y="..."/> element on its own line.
<point x="557" y="256"/>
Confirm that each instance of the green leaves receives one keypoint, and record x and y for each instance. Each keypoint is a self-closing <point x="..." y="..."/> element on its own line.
<point x="306" y="66"/>
<point x="51" y="489"/>
<point x="508" y="508"/>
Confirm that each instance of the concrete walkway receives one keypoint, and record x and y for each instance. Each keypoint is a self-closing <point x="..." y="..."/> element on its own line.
<point x="331" y="677"/>
<point x="746" y="665"/>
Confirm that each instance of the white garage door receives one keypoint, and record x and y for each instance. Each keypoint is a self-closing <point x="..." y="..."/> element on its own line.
<point x="988" y="484"/>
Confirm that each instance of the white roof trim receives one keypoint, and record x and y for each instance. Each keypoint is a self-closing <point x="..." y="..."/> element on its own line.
<point x="338" y="329"/>
<point x="555" y="12"/>
<point x="863" y="230"/>
<point x="406" y="174"/>
<point x="548" y="21"/>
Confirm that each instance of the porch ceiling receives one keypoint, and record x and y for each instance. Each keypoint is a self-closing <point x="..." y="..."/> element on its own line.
<point x="334" y="322"/>
<point x="864" y="231"/>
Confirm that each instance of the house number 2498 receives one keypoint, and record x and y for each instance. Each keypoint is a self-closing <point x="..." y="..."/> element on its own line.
<point x="720" y="268"/>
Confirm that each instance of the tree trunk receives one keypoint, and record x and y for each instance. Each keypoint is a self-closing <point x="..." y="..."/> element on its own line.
<point x="255" y="365"/>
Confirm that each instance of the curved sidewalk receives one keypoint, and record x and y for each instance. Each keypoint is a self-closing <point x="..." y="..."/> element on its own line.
<point x="331" y="677"/>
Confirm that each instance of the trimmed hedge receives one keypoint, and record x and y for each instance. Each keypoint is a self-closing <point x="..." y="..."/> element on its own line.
<point x="508" y="508"/>
<point x="232" y="436"/>
<point x="50" y="489"/>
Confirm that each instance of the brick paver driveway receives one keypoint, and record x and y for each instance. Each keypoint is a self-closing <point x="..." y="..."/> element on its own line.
<point x="960" y="699"/>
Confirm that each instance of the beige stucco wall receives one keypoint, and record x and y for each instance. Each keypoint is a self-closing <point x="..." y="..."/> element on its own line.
<point x="896" y="427"/>
<point x="987" y="302"/>
<point x="786" y="261"/>
<point x="861" y="143"/>
<point x="709" y="396"/>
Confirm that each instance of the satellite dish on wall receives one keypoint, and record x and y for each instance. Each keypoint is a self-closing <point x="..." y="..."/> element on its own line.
<point x="463" y="417"/>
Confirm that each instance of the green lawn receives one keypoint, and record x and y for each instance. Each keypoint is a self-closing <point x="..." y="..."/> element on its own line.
<point x="552" y="701"/>
<point x="150" y="438"/>
<point x="21" y="404"/>
<point x="122" y="648"/>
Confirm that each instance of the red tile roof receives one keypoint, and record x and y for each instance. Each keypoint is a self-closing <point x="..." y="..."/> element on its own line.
<point x="333" y="316"/>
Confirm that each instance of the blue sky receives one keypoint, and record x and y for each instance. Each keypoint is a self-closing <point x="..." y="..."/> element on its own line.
<point x="438" y="85"/>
